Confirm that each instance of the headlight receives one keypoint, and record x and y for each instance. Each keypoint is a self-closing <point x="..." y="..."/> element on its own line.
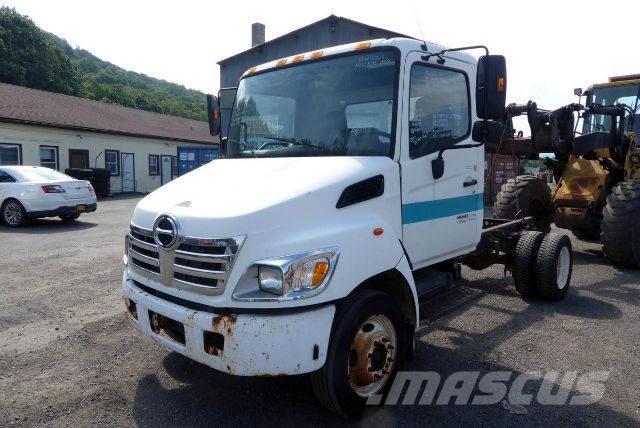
<point x="289" y="277"/>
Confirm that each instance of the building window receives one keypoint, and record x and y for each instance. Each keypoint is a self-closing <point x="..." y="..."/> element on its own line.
<point x="49" y="157"/>
<point x="153" y="165"/>
<point x="78" y="158"/>
<point x="439" y="109"/>
<point x="174" y="166"/>
<point x="111" y="161"/>
<point x="10" y="154"/>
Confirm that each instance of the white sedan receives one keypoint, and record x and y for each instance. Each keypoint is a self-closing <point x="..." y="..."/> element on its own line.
<point x="28" y="192"/>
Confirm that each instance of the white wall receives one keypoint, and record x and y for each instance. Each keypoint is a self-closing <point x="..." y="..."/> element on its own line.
<point x="32" y="137"/>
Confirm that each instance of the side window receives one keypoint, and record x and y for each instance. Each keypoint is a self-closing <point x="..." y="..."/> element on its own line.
<point x="6" y="178"/>
<point x="154" y="161"/>
<point x="439" y="108"/>
<point x="112" y="161"/>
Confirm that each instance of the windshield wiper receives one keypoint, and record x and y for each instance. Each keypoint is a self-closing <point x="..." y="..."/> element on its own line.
<point x="292" y="141"/>
<point x="244" y="146"/>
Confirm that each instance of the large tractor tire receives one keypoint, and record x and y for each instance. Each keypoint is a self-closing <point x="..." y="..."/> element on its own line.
<point x="621" y="225"/>
<point x="523" y="196"/>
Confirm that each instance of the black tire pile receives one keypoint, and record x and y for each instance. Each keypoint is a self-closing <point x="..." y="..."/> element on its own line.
<point x="100" y="179"/>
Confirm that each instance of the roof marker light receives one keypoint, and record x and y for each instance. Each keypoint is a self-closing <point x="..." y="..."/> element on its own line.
<point x="251" y="70"/>
<point x="281" y="62"/>
<point x="362" y="45"/>
<point x="316" y="54"/>
<point x="297" y="58"/>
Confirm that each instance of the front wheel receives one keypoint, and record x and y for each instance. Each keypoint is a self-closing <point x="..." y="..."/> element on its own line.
<point x="14" y="214"/>
<point x="368" y="346"/>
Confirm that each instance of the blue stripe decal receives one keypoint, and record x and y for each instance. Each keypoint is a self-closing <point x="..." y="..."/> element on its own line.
<point x="430" y="210"/>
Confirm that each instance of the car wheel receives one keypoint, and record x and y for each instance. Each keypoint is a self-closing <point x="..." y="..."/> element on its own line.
<point x="367" y="348"/>
<point x="69" y="217"/>
<point x="13" y="213"/>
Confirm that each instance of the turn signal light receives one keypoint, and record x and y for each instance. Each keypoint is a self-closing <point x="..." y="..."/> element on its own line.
<point x="500" y="84"/>
<point x="319" y="273"/>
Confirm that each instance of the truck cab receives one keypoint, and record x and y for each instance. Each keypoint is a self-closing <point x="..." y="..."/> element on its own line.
<point x="341" y="201"/>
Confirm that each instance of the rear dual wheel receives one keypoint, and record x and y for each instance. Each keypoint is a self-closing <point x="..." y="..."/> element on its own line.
<point x="542" y="265"/>
<point x="368" y="346"/>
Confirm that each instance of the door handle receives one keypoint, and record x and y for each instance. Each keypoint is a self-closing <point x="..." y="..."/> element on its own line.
<point x="470" y="182"/>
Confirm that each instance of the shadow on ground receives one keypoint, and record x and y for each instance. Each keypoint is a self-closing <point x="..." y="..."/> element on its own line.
<point x="207" y="397"/>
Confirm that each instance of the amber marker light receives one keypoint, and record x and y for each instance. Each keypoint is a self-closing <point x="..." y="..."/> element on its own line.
<point x="378" y="231"/>
<point x="362" y="45"/>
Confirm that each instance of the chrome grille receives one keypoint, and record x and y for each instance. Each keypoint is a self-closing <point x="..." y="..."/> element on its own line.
<point x="199" y="264"/>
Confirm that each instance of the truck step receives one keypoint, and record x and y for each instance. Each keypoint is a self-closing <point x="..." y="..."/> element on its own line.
<point x="446" y="301"/>
<point x="430" y="282"/>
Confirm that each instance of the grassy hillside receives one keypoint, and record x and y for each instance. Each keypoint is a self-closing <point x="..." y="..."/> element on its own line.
<point x="36" y="59"/>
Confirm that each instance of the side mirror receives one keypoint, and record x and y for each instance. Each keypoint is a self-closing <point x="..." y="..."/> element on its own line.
<point x="437" y="166"/>
<point x="223" y="146"/>
<point x="213" y="114"/>
<point x="577" y="92"/>
<point x="226" y="98"/>
<point x="491" y="87"/>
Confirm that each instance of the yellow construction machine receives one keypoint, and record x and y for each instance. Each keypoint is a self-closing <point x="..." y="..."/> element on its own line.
<point x="597" y="168"/>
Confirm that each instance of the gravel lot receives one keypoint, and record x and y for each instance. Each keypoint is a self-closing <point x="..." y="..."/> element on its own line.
<point x="68" y="356"/>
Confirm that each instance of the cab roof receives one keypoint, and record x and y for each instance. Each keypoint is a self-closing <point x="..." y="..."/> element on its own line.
<point x="405" y="45"/>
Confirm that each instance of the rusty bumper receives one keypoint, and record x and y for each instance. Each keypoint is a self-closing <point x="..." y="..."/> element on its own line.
<point x="242" y="344"/>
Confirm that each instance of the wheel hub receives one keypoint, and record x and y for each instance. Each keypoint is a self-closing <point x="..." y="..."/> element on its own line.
<point x="372" y="355"/>
<point x="12" y="213"/>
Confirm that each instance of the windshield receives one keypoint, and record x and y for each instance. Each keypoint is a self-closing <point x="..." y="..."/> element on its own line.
<point x="626" y="95"/>
<point x="335" y="107"/>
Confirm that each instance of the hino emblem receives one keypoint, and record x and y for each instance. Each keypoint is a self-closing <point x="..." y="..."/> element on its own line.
<point x="165" y="232"/>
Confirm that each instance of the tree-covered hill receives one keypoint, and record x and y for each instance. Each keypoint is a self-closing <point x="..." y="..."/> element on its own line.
<point x="37" y="59"/>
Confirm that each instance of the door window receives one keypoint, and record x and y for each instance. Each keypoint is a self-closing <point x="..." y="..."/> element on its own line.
<point x="49" y="157"/>
<point x="439" y="109"/>
<point x="10" y="154"/>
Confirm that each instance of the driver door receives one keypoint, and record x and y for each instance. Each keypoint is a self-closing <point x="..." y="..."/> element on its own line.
<point x="441" y="218"/>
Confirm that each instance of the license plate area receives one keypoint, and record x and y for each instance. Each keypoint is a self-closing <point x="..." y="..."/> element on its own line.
<point x="81" y="208"/>
<point x="167" y="327"/>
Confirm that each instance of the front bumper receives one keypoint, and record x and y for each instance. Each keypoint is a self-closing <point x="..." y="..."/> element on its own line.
<point x="63" y="210"/>
<point x="252" y="344"/>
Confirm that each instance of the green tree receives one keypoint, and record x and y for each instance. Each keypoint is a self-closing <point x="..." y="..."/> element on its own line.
<point x="27" y="58"/>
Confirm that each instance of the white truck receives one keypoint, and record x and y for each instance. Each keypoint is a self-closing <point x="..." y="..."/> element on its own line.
<point x="351" y="190"/>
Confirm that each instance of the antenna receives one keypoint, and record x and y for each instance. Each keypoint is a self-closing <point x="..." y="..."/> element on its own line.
<point x="417" y="16"/>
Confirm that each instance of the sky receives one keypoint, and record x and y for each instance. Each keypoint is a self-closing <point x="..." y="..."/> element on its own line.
<point x="551" y="46"/>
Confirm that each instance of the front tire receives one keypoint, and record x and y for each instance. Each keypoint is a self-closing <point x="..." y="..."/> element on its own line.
<point x="620" y="225"/>
<point x="368" y="346"/>
<point x="14" y="214"/>
<point x="523" y="196"/>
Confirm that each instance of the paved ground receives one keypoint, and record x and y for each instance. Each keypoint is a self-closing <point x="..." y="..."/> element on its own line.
<point x="69" y="357"/>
